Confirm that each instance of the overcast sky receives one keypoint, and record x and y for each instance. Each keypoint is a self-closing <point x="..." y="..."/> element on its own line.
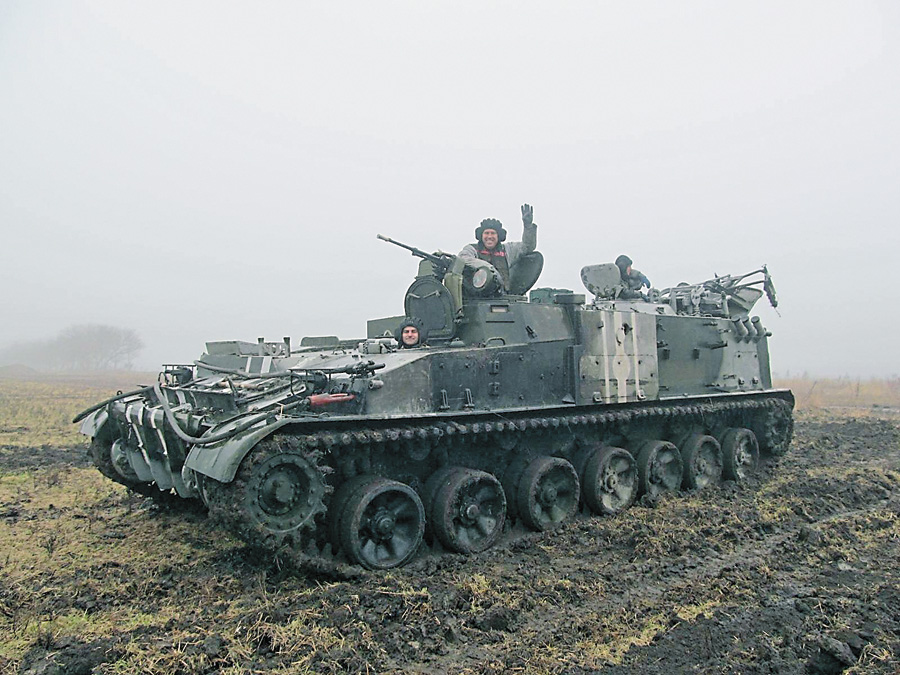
<point x="213" y="170"/>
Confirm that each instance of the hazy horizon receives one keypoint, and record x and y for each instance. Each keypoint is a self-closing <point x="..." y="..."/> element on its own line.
<point x="199" y="172"/>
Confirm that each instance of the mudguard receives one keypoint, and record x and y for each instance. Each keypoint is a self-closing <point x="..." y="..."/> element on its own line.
<point x="221" y="460"/>
<point x="93" y="424"/>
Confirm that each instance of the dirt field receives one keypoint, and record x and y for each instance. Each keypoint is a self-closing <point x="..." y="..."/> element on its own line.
<point x="796" y="571"/>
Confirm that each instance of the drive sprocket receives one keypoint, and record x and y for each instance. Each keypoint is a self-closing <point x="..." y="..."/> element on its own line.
<point x="276" y="497"/>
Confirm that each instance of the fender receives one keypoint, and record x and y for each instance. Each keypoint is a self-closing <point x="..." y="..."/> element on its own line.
<point x="95" y="423"/>
<point x="221" y="460"/>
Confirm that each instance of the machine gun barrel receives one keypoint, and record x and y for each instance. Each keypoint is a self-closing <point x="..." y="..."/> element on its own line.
<point x="441" y="260"/>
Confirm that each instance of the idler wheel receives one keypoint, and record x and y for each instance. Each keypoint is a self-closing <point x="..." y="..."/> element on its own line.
<point x="773" y="428"/>
<point x="609" y="482"/>
<point x="382" y="524"/>
<point x="547" y="493"/>
<point x="702" y="459"/>
<point x="468" y="511"/>
<point x="740" y="453"/>
<point x="659" y="468"/>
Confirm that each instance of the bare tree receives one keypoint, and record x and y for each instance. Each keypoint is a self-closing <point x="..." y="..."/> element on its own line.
<point x="81" y="347"/>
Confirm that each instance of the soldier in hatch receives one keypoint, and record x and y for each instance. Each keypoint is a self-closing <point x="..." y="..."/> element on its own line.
<point x="490" y="247"/>
<point x="410" y="334"/>
<point x="632" y="280"/>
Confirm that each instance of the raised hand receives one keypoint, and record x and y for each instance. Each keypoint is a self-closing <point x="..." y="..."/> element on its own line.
<point x="527" y="215"/>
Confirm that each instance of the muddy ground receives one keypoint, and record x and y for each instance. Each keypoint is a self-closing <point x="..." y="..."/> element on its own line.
<point x="796" y="571"/>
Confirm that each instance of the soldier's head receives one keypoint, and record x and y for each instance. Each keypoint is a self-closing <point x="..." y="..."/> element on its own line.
<point x="623" y="262"/>
<point x="409" y="336"/>
<point x="410" y="333"/>
<point x="490" y="233"/>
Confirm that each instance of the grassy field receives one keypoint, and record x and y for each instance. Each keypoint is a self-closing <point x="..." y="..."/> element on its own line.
<point x="97" y="579"/>
<point x="36" y="410"/>
<point x="811" y="393"/>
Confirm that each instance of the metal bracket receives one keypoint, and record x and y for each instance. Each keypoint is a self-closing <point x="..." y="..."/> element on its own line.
<point x="445" y="401"/>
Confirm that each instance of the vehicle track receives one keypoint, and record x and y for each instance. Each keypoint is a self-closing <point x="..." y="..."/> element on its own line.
<point x="337" y="452"/>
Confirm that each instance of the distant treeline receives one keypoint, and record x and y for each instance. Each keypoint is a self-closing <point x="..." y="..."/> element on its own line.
<point x="82" y="347"/>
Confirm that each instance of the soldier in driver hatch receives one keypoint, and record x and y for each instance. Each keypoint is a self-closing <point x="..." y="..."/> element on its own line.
<point x="632" y="280"/>
<point x="410" y="334"/>
<point x="490" y="246"/>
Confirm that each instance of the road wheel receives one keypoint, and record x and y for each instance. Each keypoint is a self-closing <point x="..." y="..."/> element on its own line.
<point x="468" y="511"/>
<point x="339" y="503"/>
<point x="659" y="468"/>
<point x="548" y="493"/>
<point x="382" y="524"/>
<point x="740" y="453"/>
<point x="433" y="485"/>
<point x="609" y="482"/>
<point x="701" y="456"/>
<point x="510" y="481"/>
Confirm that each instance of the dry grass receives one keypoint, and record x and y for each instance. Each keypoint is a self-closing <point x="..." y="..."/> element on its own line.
<point x="861" y="394"/>
<point x="38" y="412"/>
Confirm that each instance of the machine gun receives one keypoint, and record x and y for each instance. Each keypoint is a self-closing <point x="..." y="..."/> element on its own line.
<point x="729" y="295"/>
<point x="440" y="260"/>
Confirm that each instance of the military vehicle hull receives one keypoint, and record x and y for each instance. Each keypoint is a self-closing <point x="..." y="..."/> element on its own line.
<point x="520" y="415"/>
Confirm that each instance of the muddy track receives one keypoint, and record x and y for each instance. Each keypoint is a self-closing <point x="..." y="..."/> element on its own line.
<point x="753" y="553"/>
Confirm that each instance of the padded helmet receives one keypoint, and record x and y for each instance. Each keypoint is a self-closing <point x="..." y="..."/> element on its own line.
<point x="490" y="224"/>
<point x="622" y="262"/>
<point x="415" y="323"/>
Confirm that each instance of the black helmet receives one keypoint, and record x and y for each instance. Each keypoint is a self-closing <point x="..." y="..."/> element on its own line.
<point x="622" y="262"/>
<point x="415" y="323"/>
<point x="490" y="224"/>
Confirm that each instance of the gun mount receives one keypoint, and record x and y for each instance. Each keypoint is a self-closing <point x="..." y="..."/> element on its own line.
<point x="726" y="296"/>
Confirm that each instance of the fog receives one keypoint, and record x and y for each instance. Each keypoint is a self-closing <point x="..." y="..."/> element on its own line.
<point x="201" y="171"/>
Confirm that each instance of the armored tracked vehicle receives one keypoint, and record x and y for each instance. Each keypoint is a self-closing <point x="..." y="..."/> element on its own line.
<point x="520" y="412"/>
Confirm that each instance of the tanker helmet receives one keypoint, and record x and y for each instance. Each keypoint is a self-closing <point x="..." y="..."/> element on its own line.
<point x="491" y="224"/>
<point x="622" y="262"/>
<point x="415" y="323"/>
